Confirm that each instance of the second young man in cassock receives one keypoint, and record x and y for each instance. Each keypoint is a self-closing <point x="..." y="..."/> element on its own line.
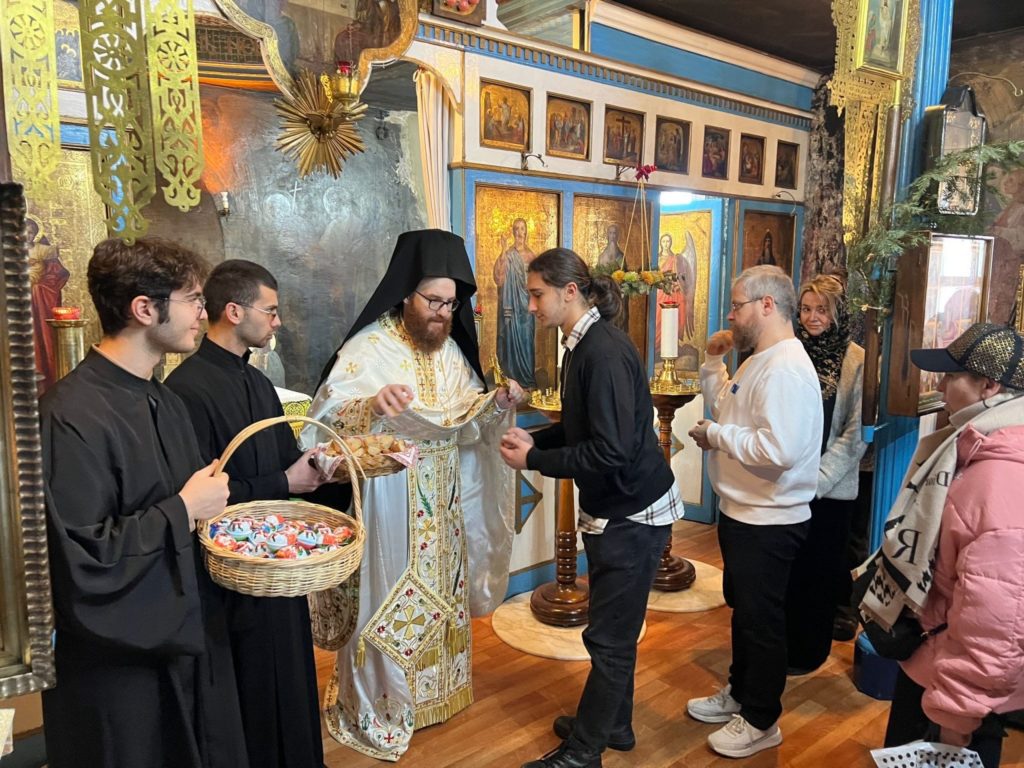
<point x="270" y="636"/>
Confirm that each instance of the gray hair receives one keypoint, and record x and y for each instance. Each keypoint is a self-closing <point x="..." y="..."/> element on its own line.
<point x="766" y="280"/>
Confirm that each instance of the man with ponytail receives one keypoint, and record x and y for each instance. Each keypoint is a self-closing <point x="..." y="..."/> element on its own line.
<point x="605" y="442"/>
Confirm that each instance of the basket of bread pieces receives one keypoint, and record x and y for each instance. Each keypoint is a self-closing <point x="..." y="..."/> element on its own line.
<point x="285" y="547"/>
<point x="376" y="455"/>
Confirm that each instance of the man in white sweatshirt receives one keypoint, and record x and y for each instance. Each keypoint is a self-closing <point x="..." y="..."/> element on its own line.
<point x="764" y="443"/>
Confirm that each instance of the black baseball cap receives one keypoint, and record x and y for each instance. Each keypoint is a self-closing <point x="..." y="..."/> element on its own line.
<point x="984" y="349"/>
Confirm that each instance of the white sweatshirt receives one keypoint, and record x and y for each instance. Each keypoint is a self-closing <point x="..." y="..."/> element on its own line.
<point x="767" y="434"/>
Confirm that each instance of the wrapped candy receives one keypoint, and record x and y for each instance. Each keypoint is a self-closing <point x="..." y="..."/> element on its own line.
<point x="240" y="528"/>
<point x="269" y="536"/>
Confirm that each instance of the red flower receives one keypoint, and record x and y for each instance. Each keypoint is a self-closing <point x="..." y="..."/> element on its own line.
<point x="344" y="68"/>
<point x="643" y="172"/>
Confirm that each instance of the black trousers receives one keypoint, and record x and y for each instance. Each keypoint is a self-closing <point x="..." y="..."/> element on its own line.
<point x="622" y="563"/>
<point x="817" y="583"/>
<point x="858" y="543"/>
<point x="908" y="722"/>
<point x="757" y="562"/>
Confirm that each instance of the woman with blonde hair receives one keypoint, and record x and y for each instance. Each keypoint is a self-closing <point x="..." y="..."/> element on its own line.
<point x="820" y="579"/>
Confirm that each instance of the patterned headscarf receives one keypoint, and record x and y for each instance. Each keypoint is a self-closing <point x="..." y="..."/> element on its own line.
<point x="827" y="350"/>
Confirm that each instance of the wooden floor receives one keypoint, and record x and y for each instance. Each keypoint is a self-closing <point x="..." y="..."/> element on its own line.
<point x="826" y="721"/>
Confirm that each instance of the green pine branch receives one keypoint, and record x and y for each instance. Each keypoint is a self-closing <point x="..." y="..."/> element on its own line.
<point x="872" y="256"/>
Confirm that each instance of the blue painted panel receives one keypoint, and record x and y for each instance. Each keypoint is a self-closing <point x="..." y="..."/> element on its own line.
<point x="707" y="511"/>
<point x="897" y="436"/>
<point x="624" y="46"/>
<point x="74" y="135"/>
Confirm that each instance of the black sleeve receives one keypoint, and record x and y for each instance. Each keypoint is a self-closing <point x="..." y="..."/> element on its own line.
<point x="608" y="397"/>
<point x="273" y="485"/>
<point x="549" y="437"/>
<point x="128" y="578"/>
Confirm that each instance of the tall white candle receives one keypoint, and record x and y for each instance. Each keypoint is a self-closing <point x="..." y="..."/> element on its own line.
<point x="669" y="331"/>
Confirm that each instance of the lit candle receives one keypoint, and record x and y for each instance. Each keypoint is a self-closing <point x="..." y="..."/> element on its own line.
<point x="67" y="313"/>
<point x="670" y="330"/>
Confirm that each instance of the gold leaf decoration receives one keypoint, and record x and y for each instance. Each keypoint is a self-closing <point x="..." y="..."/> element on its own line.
<point x="174" y="100"/>
<point x="319" y="131"/>
<point x="118" y="111"/>
<point x="30" y="88"/>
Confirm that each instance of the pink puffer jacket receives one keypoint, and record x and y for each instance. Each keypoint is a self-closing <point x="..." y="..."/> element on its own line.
<point x="976" y="666"/>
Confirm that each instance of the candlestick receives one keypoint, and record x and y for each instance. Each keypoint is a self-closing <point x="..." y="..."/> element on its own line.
<point x="669" y="330"/>
<point x="70" y="344"/>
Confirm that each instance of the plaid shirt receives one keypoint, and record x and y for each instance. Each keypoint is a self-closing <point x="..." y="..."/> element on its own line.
<point x="665" y="510"/>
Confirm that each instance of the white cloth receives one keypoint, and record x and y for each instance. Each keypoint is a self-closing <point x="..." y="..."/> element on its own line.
<point x="439" y="539"/>
<point x="767" y="434"/>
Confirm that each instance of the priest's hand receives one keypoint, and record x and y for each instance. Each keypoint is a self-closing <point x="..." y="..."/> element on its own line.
<point x="205" y="494"/>
<point x="304" y="475"/>
<point x="515" y="444"/>
<point x="700" y="433"/>
<point x="720" y="343"/>
<point x="509" y="395"/>
<point x="392" y="399"/>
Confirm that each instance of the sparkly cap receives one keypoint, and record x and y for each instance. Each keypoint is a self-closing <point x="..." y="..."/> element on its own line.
<point x="984" y="349"/>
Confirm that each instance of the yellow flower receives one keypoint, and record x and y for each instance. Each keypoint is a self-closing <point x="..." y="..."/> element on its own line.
<point x="618" y="275"/>
<point x="649" y="277"/>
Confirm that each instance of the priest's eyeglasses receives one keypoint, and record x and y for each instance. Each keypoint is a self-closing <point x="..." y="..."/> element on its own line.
<point x="198" y="302"/>
<point x="435" y="305"/>
<point x="271" y="313"/>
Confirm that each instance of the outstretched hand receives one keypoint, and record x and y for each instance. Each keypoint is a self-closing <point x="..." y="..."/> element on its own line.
<point x="515" y="445"/>
<point x="510" y="395"/>
<point x="392" y="399"/>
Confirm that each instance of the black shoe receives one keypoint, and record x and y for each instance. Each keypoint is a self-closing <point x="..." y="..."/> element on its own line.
<point x="798" y="671"/>
<point x="844" y="628"/>
<point x="623" y="741"/>
<point x="563" y="757"/>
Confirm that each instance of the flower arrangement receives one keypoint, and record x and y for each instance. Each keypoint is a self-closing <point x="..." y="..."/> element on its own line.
<point x="638" y="282"/>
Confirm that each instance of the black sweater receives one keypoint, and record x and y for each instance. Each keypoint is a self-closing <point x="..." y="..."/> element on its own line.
<point x="605" y="440"/>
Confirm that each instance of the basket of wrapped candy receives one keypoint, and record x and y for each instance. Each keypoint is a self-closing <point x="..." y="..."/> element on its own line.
<point x="283" y="548"/>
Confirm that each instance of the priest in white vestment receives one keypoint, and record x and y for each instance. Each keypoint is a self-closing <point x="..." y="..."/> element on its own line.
<point x="439" y="534"/>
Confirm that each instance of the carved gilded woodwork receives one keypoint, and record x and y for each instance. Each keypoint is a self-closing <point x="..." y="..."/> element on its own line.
<point x="117" y="97"/>
<point x="174" y="100"/>
<point x="864" y="87"/>
<point x="30" y="91"/>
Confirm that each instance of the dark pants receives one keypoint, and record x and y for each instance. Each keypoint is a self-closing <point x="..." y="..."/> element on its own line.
<point x="859" y="541"/>
<point x="908" y="722"/>
<point x="622" y="564"/>
<point x="817" y="583"/>
<point x="757" y="561"/>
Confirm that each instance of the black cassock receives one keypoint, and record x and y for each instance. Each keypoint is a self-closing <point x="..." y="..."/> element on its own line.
<point x="144" y="671"/>
<point x="270" y="636"/>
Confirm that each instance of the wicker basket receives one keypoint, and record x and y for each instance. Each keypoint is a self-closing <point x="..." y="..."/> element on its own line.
<point x="269" y="577"/>
<point x="371" y="466"/>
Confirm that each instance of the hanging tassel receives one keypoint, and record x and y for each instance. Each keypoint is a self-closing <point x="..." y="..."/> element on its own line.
<point x="452" y="636"/>
<point x="360" y="652"/>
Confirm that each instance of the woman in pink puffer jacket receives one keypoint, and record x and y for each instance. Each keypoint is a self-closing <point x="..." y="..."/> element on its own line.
<point x="962" y="678"/>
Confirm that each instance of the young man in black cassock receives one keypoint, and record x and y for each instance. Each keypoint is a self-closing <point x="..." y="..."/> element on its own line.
<point x="144" y="671"/>
<point x="270" y="636"/>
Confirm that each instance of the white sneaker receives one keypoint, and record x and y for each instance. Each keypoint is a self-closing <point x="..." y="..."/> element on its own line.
<point x="740" y="739"/>
<point x="714" y="709"/>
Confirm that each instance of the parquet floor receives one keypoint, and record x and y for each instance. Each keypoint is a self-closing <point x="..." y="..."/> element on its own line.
<point x="826" y="723"/>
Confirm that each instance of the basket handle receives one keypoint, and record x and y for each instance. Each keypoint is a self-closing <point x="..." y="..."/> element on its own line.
<point x="354" y="470"/>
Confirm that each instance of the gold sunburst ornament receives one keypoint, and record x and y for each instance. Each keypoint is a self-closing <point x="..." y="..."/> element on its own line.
<point x="319" y="120"/>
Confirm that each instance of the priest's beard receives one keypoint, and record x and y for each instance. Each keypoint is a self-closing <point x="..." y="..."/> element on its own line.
<point x="428" y="332"/>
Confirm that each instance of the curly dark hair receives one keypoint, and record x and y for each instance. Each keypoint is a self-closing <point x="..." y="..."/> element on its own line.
<point x="119" y="272"/>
